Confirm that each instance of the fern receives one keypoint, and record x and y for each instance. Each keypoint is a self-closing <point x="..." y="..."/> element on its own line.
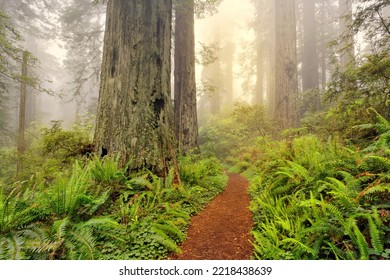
<point x="107" y="171"/>
<point x="85" y="242"/>
<point x="375" y="189"/>
<point x="361" y="242"/>
<point x="376" y="241"/>
<point x="300" y="245"/>
<point x="295" y="171"/>
<point x="11" y="246"/>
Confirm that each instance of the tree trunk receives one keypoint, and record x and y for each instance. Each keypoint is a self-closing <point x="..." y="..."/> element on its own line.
<point x="286" y="92"/>
<point x="186" y="122"/>
<point x="310" y="76"/>
<point x="22" y="116"/>
<point x="227" y="57"/>
<point x="323" y="49"/>
<point x="259" y="90"/>
<point x="135" y="114"/>
<point x="347" y="45"/>
<point x="215" y="69"/>
<point x="271" y="60"/>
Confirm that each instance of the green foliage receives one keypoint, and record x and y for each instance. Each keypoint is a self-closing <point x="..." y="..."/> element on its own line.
<point x="350" y="97"/>
<point x="320" y="201"/>
<point x="9" y="57"/>
<point x="53" y="149"/>
<point x="224" y="135"/>
<point x="92" y="209"/>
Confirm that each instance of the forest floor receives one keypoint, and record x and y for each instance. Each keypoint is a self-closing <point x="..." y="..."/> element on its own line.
<point x="221" y="231"/>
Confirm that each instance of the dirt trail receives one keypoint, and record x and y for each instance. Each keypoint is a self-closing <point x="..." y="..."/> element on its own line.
<point x="221" y="231"/>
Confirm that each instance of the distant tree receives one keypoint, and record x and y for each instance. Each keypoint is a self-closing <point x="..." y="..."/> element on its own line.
<point x="22" y="114"/>
<point x="82" y="29"/>
<point x="10" y="58"/>
<point x="327" y="32"/>
<point x="257" y="60"/>
<point x="204" y="8"/>
<point x="260" y="57"/>
<point x="35" y="21"/>
<point x="310" y="77"/>
<point x="286" y="93"/>
<point x="211" y="77"/>
<point x="135" y="114"/>
<point x="372" y="18"/>
<point x="227" y="61"/>
<point x="347" y="44"/>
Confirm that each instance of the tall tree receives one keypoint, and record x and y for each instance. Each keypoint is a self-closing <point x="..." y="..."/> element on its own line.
<point x="310" y="75"/>
<point x="9" y="58"/>
<point x="82" y="30"/>
<point x="284" y="107"/>
<point x="262" y="32"/>
<point x="214" y="74"/>
<point x="135" y="114"/>
<point x="345" y="22"/>
<point x="327" y="32"/>
<point x="227" y="59"/>
<point x="22" y="115"/>
<point x="186" y="120"/>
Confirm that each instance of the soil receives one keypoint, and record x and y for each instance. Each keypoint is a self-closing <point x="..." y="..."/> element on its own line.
<point x="221" y="231"/>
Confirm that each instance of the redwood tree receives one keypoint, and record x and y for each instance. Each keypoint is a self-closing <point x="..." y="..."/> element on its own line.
<point x="284" y="107"/>
<point x="186" y="121"/>
<point x="310" y="73"/>
<point x="347" y="44"/>
<point x="135" y="114"/>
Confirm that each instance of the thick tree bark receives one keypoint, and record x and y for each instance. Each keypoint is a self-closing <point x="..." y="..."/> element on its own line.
<point x="135" y="114"/>
<point x="310" y="75"/>
<point x="286" y="92"/>
<point x="186" y="122"/>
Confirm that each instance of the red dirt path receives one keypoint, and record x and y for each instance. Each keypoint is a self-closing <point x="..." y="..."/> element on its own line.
<point x="221" y="231"/>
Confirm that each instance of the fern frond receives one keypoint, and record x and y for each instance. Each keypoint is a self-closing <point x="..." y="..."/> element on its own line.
<point x="60" y="228"/>
<point x="162" y="238"/>
<point x="376" y="241"/>
<point x="337" y="252"/>
<point x="170" y="229"/>
<point x="298" y="243"/>
<point x="361" y="242"/>
<point x="12" y="245"/>
<point x="85" y="241"/>
<point x="375" y="189"/>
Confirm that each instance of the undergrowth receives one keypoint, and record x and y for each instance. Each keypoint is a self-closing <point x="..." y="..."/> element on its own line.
<point x="311" y="198"/>
<point x="321" y="200"/>
<point x="88" y="208"/>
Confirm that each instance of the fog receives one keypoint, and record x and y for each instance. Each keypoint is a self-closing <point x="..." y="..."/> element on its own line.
<point x="240" y="36"/>
<point x="231" y="24"/>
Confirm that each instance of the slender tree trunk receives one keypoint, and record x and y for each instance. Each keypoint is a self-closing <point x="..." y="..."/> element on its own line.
<point x="259" y="91"/>
<point x="347" y="45"/>
<point x="228" y="53"/>
<point x="186" y="122"/>
<point x="286" y="64"/>
<point x="323" y="49"/>
<point x="22" y="116"/>
<point x="271" y="60"/>
<point x="135" y="114"/>
<point x="216" y="94"/>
